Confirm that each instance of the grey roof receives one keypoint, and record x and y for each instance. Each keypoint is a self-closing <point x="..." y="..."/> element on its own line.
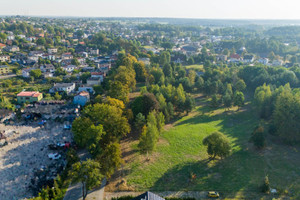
<point x="148" y="196"/>
<point x="63" y="85"/>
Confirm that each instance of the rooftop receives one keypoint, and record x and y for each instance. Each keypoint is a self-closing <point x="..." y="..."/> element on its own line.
<point x="83" y="93"/>
<point x="29" y="94"/>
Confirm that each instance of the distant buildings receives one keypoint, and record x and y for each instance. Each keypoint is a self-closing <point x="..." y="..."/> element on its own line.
<point x="47" y="68"/>
<point x="263" y="61"/>
<point x="12" y="48"/>
<point x="4" y="69"/>
<point x="52" y="50"/>
<point x="26" y="72"/>
<point x="63" y="87"/>
<point x="248" y="58"/>
<point x="82" y="98"/>
<point x="66" y="56"/>
<point x="69" y="68"/>
<point x="94" y="51"/>
<point x="93" y="81"/>
<point x="146" y="61"/>
<point x="29" y="97"/>
<point x="100" y="75"/>
<point x="4" y="58"/>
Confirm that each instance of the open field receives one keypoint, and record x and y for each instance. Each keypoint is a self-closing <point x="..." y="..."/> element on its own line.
<point x="196" y="67"/>
<point x="180" y="153"/>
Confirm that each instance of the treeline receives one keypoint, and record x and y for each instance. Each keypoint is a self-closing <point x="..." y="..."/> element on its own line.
<point x="282" y="107"/>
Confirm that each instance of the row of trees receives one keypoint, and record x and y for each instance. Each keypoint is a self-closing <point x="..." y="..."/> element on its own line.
<point x="282" y="107"/>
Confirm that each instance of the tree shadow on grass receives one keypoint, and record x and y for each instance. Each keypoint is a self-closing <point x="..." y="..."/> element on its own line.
<point x="237" y="125"/>
<point x="225" y="176"/>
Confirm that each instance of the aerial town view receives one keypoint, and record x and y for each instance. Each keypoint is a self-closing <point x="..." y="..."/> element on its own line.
<point x="149" y="100"/>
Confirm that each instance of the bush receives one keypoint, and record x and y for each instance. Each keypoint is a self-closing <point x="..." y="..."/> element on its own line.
<point x="258" y="137"/>
<point x="265" y="188"/>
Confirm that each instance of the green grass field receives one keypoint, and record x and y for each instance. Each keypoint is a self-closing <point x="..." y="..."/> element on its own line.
<point x="195" y="67"/>
<point x="180" y="153"/>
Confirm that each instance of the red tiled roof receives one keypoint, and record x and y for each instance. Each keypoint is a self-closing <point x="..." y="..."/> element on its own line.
<point x="83" y="93"/>
<point x="29" y="94"/>
<point x="96" y="73"/>
<point x="236" y="56"/>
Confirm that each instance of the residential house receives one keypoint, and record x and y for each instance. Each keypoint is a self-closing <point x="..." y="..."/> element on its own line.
<point x="30" y="39"/>
<point x="146" y="61"/>
<point x="49" y="56"/>
<point x="221" y="58"/>
<point x="2" y="46"/>
<point x="4" y="69"/>
<point x="40" y="35"/>
<point x="93" y="81"/>
<point x="36" y="53"/>
<point x="84" y="54"/>
<point x="26" y="72"/>
<point x="10" y="37"/>
<point x="48" y="74"/>
<point x="47" y="68"/>
<point x="66" y="56"/>
<point x="52" y="50"/>
<point x="4" y="58"/>
<point x="235" y="58"/>
<point x="248" y="58"/>
<point x="82" y="98"/>
<point x="94" y="51"/>
<point x="63" y="87"/>
<point x="86" y="88"/>
<point x="29" y="97"/>
<point x="277" y="62"/>
<point x="22" y="36"/>
<point x="69" y="68"/>
<point x="12" y="48"/>
<point x="264" y="61"/>
<point x="100" y="75"/>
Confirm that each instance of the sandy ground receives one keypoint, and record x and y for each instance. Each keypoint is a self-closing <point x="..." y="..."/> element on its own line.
<point x="26" y="151"/>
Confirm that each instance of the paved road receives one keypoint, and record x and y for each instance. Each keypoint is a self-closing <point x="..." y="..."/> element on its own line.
<point x="8" y="76"/>
<point x="74" y="192"/>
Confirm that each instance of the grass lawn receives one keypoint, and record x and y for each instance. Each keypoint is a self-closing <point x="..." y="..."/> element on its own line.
<point x="196" y="67"/>
<point x="180" y="153"/>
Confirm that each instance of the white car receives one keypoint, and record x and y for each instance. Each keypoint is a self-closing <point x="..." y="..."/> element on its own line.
<point x="54" y="156"/>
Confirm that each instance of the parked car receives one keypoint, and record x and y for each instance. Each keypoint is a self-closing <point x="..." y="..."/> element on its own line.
<point x="213" y="194"/>
<point x="54" y="156"/>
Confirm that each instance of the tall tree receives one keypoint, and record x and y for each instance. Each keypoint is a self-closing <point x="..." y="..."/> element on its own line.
<point x="110" y="158"/>
<point x="238" y="99"/>
<point x="88" y="174"/>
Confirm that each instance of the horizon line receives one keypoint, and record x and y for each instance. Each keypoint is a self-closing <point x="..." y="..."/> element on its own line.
<point x="136" y="17"/>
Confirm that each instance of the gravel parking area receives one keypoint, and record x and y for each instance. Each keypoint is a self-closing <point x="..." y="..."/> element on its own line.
<point x="27" y="150"/>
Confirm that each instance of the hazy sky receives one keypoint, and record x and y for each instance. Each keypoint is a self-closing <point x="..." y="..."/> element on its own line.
<point x="229" y="9"/>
